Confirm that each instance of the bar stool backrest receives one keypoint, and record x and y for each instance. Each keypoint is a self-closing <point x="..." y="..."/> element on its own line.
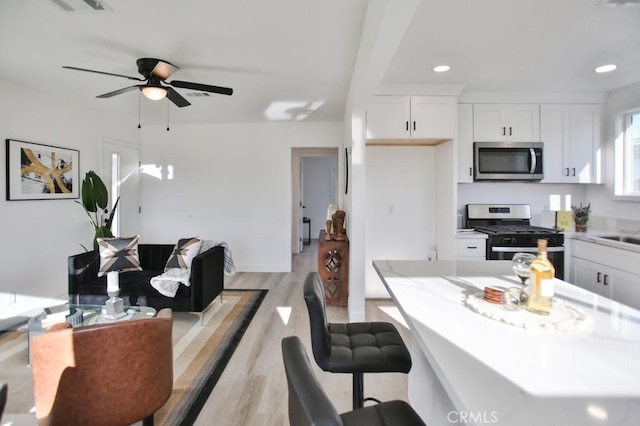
<point x="320" y="337"/>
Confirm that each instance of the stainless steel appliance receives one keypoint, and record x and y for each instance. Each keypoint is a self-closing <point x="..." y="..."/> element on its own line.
<point x="510" y="161"/>
<point x="509" y="232"/>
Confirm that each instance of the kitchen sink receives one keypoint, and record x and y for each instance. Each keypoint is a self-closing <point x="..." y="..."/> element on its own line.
<point x="630" y="240"/>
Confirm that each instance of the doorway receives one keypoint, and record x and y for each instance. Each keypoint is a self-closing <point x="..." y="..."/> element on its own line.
<point x="121" y="175"/>
<point x="315" y="185"/>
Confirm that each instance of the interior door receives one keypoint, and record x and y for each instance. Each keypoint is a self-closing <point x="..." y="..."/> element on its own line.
<point x="121" y="174"/>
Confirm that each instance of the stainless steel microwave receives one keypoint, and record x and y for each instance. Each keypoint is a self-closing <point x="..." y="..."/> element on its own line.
<point x="507" y="161"/>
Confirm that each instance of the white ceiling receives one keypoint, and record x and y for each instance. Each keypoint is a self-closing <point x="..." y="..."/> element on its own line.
<point x="283" y="57"/>
<point x="521" y="45"/>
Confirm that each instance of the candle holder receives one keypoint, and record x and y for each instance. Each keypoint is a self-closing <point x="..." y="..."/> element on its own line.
<point x="114" y="306"/>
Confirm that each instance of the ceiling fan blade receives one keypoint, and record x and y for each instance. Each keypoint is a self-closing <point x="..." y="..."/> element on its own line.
<point x="120" y="91"/>
<point x="201" y="87"/>
<point x="176" y="97"/>
<point x="105" y="73"/>
<point x="152" y="67"/>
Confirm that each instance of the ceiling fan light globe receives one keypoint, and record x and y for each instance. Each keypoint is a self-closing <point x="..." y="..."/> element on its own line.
<point x="154" y="93"/>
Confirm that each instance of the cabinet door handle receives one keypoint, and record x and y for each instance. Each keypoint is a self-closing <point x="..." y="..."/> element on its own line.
<point x="470" y="172"/>
<point x="606" y="279"/>
<point x="574" y="171"/>
<point x="598" y="277"/>
<point x="510" y="132"/>
<point x="414" y="125"/>
<point x="567" y="172"/>
<point x="406" y="126"/>
<point x="472" y="247"/>
<point x="504" y="131"/>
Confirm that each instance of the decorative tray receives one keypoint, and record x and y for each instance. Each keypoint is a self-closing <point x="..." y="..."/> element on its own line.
<point x="564" y="316"/>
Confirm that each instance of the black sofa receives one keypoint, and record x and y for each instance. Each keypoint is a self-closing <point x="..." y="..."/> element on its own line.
<point x="207" y="279"/>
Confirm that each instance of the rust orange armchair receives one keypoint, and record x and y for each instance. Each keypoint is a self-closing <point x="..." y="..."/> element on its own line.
<point x="107" y="374"/>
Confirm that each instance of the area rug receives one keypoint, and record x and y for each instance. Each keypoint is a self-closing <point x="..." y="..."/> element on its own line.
<point x="201" y="350"/>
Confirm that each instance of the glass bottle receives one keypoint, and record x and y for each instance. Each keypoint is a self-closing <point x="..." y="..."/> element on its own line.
<point x="541" y="282"/>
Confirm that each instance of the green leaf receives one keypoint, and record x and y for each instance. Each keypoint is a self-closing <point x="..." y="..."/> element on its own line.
<point x="113" y="212"/>
<point x="88" y="201"/>
<point x="101" y="232"/>
<point x="100" y="193"/>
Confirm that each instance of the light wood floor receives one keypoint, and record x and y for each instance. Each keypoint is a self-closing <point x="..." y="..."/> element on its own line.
<point x="253" y="389"/>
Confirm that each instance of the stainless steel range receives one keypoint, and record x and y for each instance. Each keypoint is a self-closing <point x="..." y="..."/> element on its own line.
<point x="509" y="231"/>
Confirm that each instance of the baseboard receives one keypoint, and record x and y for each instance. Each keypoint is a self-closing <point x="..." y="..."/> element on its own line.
<point x="262" y="268"/>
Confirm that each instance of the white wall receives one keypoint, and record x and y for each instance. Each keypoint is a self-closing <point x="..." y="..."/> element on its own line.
<point x="601" y="197"/>
<point x="231" y="182"/>
<point x="319" y="190"/>
<point x="401" y="210"/>
<point x="38" y="236"/>
<point x="540" y="196"/>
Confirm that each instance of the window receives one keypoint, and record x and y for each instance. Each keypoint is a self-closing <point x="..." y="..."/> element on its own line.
<point x="627" y="167"/>
<point x="115" y="192"/>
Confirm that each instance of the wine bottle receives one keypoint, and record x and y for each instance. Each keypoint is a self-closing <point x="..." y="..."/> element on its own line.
<point x="541" y="282"/>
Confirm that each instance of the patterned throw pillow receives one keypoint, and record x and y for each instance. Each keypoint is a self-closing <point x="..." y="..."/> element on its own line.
<point x="183" y="253"/>
<point x="118" y="254"/>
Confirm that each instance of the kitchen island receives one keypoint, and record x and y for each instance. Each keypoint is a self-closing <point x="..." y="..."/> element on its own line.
<point x="471" y="369"/>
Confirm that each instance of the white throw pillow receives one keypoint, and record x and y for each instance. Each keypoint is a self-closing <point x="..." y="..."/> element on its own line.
<point x="118" y="254"/>
<point x="183" y="253"/>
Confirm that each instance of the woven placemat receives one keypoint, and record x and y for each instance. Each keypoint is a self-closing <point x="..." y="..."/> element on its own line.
<point x="564" y="316"/>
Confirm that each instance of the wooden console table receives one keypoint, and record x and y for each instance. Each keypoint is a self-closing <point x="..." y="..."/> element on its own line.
<point x="333" y="268"/>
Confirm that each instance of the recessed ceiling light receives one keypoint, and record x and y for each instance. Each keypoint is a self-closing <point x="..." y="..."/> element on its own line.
<point x="606" y="68"/>
<point x="442" y="68"/>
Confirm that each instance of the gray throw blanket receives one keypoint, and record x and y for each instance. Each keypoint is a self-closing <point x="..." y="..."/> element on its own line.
<point x="168" y="283"/>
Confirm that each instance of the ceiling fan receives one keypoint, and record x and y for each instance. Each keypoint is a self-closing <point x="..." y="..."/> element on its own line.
<point x="155" y="73"/>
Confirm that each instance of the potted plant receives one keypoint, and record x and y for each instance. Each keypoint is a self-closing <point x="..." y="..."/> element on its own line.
<point x="581" y="216"/>
<point x="94" y="201"/>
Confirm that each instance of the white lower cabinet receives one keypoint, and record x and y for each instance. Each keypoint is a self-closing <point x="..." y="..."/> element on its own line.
<point x="471" y="249"/>
<point x="590" y="276"/>
<point x="607" y="271"/>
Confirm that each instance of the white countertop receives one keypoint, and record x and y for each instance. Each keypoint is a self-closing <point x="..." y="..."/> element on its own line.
<point x="471" y="234"/>
<point x="531" y="377"/>
<point x="596" y="237"/>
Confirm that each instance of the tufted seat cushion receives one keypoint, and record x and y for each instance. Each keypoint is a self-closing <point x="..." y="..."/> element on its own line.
<point x="356" y="348"/>
<point x="367" y="347"/>
<point x="310" y="405"/>
<point x="386" y="414"/>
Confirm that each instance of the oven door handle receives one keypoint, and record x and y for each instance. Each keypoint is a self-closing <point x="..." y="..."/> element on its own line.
<point x="525" y="249"/>
<point x="534" y="160"/>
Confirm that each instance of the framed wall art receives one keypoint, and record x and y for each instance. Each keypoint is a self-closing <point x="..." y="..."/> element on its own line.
<point x="41" y="172"/>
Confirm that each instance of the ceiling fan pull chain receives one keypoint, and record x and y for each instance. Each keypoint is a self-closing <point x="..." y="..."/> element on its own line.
<point x="168" y="115"/>
<point x="139" y="126"/>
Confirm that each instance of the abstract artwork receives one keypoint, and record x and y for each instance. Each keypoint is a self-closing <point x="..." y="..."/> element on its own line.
<point x="41" y="172"/>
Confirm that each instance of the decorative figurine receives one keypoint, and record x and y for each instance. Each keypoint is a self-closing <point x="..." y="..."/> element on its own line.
<point x="338" y="225"/>
<point x="327" y="236"/>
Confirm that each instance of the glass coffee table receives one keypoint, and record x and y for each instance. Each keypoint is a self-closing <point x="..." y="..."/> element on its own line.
<point x="80" y="316"/>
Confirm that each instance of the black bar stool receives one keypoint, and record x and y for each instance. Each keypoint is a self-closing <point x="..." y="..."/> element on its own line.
<point x="309" y="404"/>
<point x="356" y="348"/>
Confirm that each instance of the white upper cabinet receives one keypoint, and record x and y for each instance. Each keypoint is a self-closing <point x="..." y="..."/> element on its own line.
<point x="388" y="117"/>
<point x="506" y="122"/>
<point x="464" y="142"/>
<point x="433" y="117"/>
<point x="571" y="136"/>
<point x="411" y="117"/>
